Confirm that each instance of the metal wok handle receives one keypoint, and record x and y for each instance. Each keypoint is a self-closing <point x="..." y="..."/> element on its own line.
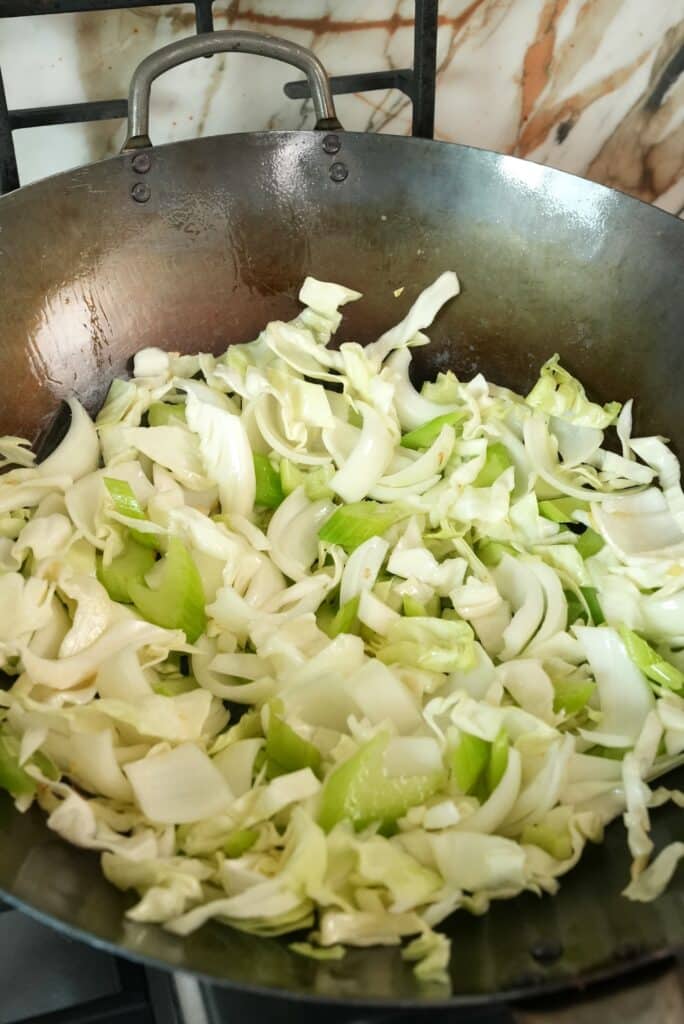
<point x="223" y="42"/>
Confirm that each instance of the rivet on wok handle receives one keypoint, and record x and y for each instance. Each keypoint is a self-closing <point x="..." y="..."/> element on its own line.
<point x="224" y="42"/>
<point x="331" y="144"/>
<point x="141" y="163"/>
<point x="338" y="172"/>
<point x="140" y="192"/>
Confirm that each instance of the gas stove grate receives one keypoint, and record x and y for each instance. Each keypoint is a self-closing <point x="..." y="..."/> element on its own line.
<point x="417" y="82"/>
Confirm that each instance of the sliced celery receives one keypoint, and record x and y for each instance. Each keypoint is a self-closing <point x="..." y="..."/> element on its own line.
<point x="412" y="608"/>
<point x="423" y="436"/>
<point x="126" y="504"/>
<point x="589" y="543"/>
<point x="359" y="790"/>
<point x="561" y="510"/>
<point x="163" y="414"/>
<point x="496" y="461"/>
<point x="351" y="525"/>
<point x="269" y="490"/>
<point x="490" y="552"/>
<point x="590" y="595"/>
<point x="571" y="696"/>
<point x="172" y="686"/>
<point x="240" y="842"/>
<point x="315" y="481"/>
<point x="286" y="751"/>
<point x="345" y="620"/>
<point x="610" y="753"/>
<point x="291" y="476"/>
<point x="13" y="778"/>
<point x="469" y="760"/>
<point x="178" y="600"/>
<point x="652" y="664"/>
<point x="576" y="609"/>
<point x="125" y="501"/>
<point x="557" y="844"/>
<point x="131" y="566"/>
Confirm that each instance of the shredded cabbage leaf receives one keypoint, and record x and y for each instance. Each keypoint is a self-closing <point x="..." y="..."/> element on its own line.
<point x="294" y="644"/>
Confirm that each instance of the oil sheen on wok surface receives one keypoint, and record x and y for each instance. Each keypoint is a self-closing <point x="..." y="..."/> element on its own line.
<point x="454" y="616"/>
<point x="502" y="331"/>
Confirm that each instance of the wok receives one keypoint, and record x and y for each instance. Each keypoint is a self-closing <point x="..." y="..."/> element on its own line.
<point x="198" y="244"/>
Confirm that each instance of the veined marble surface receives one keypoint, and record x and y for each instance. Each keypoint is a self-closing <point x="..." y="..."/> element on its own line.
<point x="591" y="86"/>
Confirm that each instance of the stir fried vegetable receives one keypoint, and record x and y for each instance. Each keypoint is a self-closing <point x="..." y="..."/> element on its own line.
<point x="296" y="645"/>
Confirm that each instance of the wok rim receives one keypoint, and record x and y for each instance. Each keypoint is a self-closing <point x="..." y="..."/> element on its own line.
<point x="479" y="152"/>
<point x="572" y="986"/>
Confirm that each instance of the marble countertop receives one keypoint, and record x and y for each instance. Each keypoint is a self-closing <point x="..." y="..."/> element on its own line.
<point x="595" y="87"/>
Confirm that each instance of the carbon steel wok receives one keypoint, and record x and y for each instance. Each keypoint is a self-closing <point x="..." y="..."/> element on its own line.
<point x="197" y="244"/>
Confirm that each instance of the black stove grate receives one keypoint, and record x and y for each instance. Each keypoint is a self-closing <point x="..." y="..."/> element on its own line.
<point x="417" y="82"/>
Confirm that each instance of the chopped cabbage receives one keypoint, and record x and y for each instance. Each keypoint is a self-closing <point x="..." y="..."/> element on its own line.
<point x="296" y="645"/>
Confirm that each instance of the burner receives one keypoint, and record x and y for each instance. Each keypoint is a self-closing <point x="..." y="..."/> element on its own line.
<point x="418" y="82"/>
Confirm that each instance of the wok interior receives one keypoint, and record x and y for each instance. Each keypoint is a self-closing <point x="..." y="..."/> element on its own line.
<point x="547" y="263"/>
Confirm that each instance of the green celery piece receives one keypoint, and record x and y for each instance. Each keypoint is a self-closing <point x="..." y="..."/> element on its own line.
<point x="164" y="414"/>
<point x="126" y="504"/>
<point x="561" y="510"/>
<point x="351" y="525"/>
<point x="131" y="566"/>
<point x="260" y="760"/>
<point x="427" y="433"/>
<point x="590" y="595"/>
<point x="359" y="790"/>
<point x="490" y="552"/>
<point x="345" y="620"/>
<point x="269" y="490"/>
<point x="412" y="608"/>
<point x="548" y="510"/>
<point x="45" y="765"/>
<point x="576" y="609"/>
<point x="291" y="476"/>
<point x="469" y="760"/>
<point x="652" y="664"/>
<point x="125" y="501"/>
<point x="589" y="543"/>
<point x="315" y="481"/>
<point x="370" y="638"/>
<point x="557" y="844"/>
<point x="178" y="601"/>
<point x="498" y="760"/>
<point x="610" y="753"/>
<point x="286" y="751"/>
<point x="496" y="461"/>
<point x="239" y="842"/>
<point x="571" y="696"/>
<point x="172" y="686"/>
<point x="450" y="614"/>
<point x="13" y="778"/>
<point x="324" y="617"/>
